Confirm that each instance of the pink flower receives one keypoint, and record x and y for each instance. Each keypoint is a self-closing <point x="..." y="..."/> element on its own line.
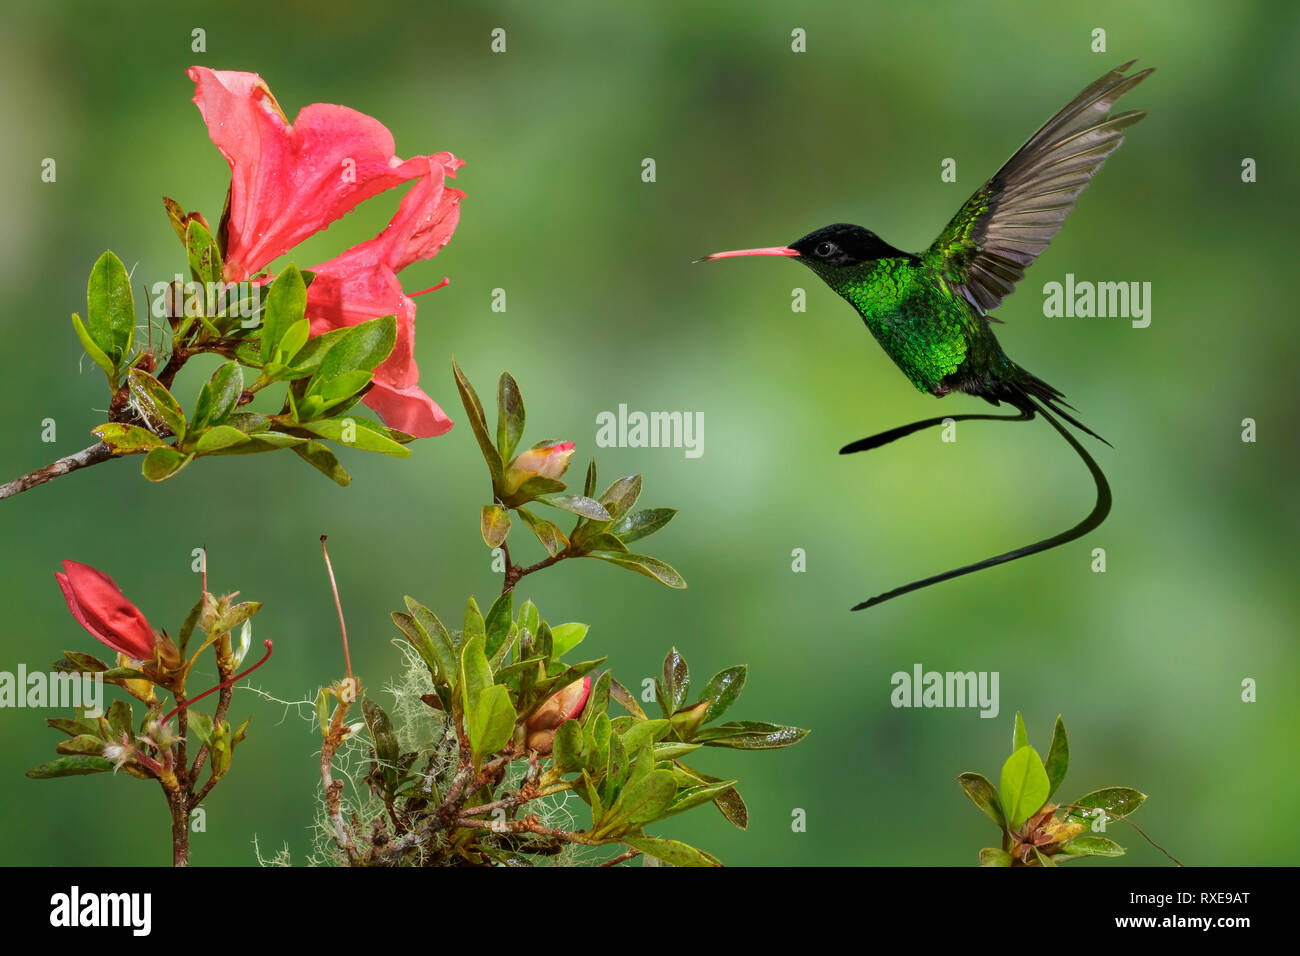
<point x="291" y="181"/>
<point x="100" y="607"/>
<point x="564" y="705"/>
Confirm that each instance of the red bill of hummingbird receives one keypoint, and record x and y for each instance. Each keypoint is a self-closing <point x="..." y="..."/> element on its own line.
<point x="930" y="310"/>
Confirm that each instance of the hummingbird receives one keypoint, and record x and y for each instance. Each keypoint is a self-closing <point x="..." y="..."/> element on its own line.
<point x="930" y="310"/>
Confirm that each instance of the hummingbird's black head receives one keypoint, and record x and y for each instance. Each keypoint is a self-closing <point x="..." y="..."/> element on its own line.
<point x="843" y="244"/>
<point x="829" y="248"/>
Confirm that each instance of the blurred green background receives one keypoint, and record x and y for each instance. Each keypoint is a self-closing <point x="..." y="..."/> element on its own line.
<point x="754" y="145"/>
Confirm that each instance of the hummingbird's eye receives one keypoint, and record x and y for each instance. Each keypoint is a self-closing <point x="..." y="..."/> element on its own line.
<point x="825" y="250"/>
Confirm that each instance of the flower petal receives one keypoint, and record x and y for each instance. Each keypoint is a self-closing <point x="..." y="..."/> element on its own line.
<point x="289" y="182"/>
<point x="362" y="284"/>
<point x="99" y="606"/>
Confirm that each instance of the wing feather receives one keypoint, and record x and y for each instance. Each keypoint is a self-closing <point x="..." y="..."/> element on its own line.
<point x="1010" y="220"/>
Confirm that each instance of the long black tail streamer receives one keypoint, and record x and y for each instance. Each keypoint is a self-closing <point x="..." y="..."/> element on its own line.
<point x="1098" y="514"/>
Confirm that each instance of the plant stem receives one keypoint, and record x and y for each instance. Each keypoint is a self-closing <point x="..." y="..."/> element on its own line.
<point x="515" y="573"/>
<point x="93" y="455"/>
<point x="621" y="858"/>
<point x="177" y="803"/>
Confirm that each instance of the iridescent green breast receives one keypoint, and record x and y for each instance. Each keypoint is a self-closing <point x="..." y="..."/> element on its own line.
<point x="914" y="317"/>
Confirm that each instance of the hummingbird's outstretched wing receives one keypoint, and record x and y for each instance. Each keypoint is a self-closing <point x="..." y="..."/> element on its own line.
<point x="1010" y="220"/>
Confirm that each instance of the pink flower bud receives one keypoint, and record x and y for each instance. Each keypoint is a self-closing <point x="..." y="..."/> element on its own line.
<point x="100" y="607"/>
<point x="564" y="705"/>
<point x="548" y="460"/>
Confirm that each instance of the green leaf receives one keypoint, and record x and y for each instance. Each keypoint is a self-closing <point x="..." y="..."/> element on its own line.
<point x="417" y="638"/>
<point x="308" y="358"/>
<point x="163" y="462"/>
<point x="984" y="795"/>
<point x="1087" y="844"/>
<point x="578" y="505"/>
<point x="70" y="766"/>
<point x="263" y="442"/>
<point x="641" y="802"/>
<point x="619" y="497"/>
<point x="673" y="852"/>
<point x="1118" y="802"/>
<point x="602" y="541"/>
<point x="490" y="721"/>
<point x="177" y="216"/>
<point x="75" y="662"/>
<point x="1058" y="757"/>
<point x="642" y="564"/>
<point x="565" y="637"/>
<point x="625" y="699"/>
<point x="728" y="801"/>
<point x="542" y="642"/>
<point x="159" y="408"/>
<point x="323" y="460"/>
<point x="474" y="624"/>
<point x="97" y="355"/>
<point x="478" y="423"/>
<point x="596" y="734"/>
<point x="529" y="619"/>
<point x="494" y="525"/>
<point x="722" y="689"/>
<point x="126" y="673"/>
<point x="475" y="671"/>
<point x="286" y="303"/>
<point x="589" y="485"/>
<point x="352" y="433"/>
<point x="551" y="537"/>
<point x="339" y="388"/>
<point x="598" y="701"/>
<point x="191" y="621"/>
<point x="751" y="735"/>
<point x="201" y="724"/>
<point x="642" y="524"/>
<point x="219" y="437"/>
<point x="203" y="254"/>
<point x="1024" y="785"/>
<point x="219" y="395"/>
<point x="439" y="640"/>
<point x="292" y="342"/>
<point x="1019" y="738"/>
<point x="73" y="727"/>
<point x="643" y="730"/>
<point x="364" y="347"/>
<point x="567" y="748"/>
<point x="694" y="796"/>
<point x="510" y="415"/>
<point x="110" y="308"/>
<point x="677" y="679"/>
<point x="672" y="749"/>
<point x="993" y="856"/>
<point x="119" y="719"/>
<point x="618" y="765"/>
<point x="498" y="621"/>
<point x="82" y="744"/>
<point x="126" y="439"/>
<point x="536" y="486"/>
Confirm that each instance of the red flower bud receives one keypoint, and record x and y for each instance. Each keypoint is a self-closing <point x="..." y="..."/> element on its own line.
<point x="564" y="705"/>
<point x="100" y="607"/>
